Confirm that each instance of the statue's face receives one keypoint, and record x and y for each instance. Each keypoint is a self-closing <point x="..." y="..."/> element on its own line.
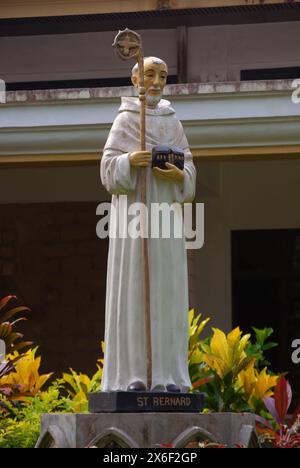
<point x="155" y="76"/>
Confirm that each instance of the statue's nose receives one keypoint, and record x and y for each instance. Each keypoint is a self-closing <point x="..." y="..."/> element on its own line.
<point x="156" y="80"/>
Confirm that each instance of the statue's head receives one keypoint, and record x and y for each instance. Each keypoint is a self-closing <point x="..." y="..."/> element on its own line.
<point x="155" y="76"/>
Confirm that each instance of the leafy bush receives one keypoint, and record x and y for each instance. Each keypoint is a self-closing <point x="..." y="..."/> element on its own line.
<point x="261" y="345"/>
<point x="79" y="385"/>
<point x="24" y="380"/>
<point x="21" y="429"/>
<point x="23" y="398"/>
<point x="20" y="433"/>
<point x="231" y="370"/>
<point x="227" y="368"/>
<point x="275" y="432"/>
<point x="8" y="309"/>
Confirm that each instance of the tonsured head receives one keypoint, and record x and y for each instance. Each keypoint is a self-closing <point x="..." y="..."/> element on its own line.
<point x="155" y="76"/>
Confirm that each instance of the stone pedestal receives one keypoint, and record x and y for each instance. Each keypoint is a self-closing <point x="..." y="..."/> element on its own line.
<point x="145" y="430"/>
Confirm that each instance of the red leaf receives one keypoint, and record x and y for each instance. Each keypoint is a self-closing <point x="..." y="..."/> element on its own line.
<point x="5" y="300"/>
<point x="283" y="398"/>
<point x="201" y="382"/>
<point x="14" y="311"/>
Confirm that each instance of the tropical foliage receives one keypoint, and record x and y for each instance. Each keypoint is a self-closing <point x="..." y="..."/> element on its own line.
<point x="25" y="393"/>
<point x="256" y="385"/>
<point x="226" y="368"/>
<point x="230" y="369"/>
<point x="21" y="426"/>
<point x="78" y="386"/>
<point x="24" y="380"/>
<point x="9" y="309"/>
<point x="23" y="398"/>
<point x="275" y="432"/>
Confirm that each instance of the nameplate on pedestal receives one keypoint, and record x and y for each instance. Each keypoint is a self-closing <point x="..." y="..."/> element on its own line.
<point x="145" y="402"/>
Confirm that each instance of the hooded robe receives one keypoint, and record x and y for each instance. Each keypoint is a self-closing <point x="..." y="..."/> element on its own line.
<point x="125" y="343"/>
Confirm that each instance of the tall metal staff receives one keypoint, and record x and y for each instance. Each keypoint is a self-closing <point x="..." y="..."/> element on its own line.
<point x="128" y="45"/>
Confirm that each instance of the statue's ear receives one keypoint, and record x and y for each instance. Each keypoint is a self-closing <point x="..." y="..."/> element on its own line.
<point x="135" y="81"/>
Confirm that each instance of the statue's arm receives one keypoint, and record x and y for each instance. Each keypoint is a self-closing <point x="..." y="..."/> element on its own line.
<point x="117" y="174"/>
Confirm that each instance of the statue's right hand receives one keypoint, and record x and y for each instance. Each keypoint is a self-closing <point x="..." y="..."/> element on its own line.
<point x="140" y="158"/>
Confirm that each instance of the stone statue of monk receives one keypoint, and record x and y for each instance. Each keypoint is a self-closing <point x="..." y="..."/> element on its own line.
<point x="125" y="344"/>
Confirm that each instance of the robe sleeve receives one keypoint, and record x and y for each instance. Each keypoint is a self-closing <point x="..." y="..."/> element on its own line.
<point x="184" y="192"/>
<point x="117" y="175"/>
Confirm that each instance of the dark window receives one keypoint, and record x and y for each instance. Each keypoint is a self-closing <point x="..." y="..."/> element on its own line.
<point x="289" y="73"/>
<point x="266" y="290"/>
<point x="65" y="84"/>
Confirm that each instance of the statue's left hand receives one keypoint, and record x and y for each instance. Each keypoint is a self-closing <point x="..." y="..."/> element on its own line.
<point x="173" y="173"/>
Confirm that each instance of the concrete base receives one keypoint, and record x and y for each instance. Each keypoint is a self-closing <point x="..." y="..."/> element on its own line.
<point x="145" y="430"/>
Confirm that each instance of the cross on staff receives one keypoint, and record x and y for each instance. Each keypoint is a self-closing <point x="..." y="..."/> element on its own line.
<point x="128" y="45"/>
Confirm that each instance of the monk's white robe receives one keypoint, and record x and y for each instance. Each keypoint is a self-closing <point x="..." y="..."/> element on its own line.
<point x="125" y="350"/>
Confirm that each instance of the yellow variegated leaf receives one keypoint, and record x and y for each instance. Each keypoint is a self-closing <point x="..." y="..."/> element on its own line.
<point x="234" y="337"/>
<point x="219" y="345"/>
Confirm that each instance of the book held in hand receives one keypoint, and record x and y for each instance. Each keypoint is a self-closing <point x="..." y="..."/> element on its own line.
<point x="162" y="154"/>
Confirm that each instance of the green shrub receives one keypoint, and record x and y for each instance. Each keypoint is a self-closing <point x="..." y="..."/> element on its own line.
<point x="22" y="427"/>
